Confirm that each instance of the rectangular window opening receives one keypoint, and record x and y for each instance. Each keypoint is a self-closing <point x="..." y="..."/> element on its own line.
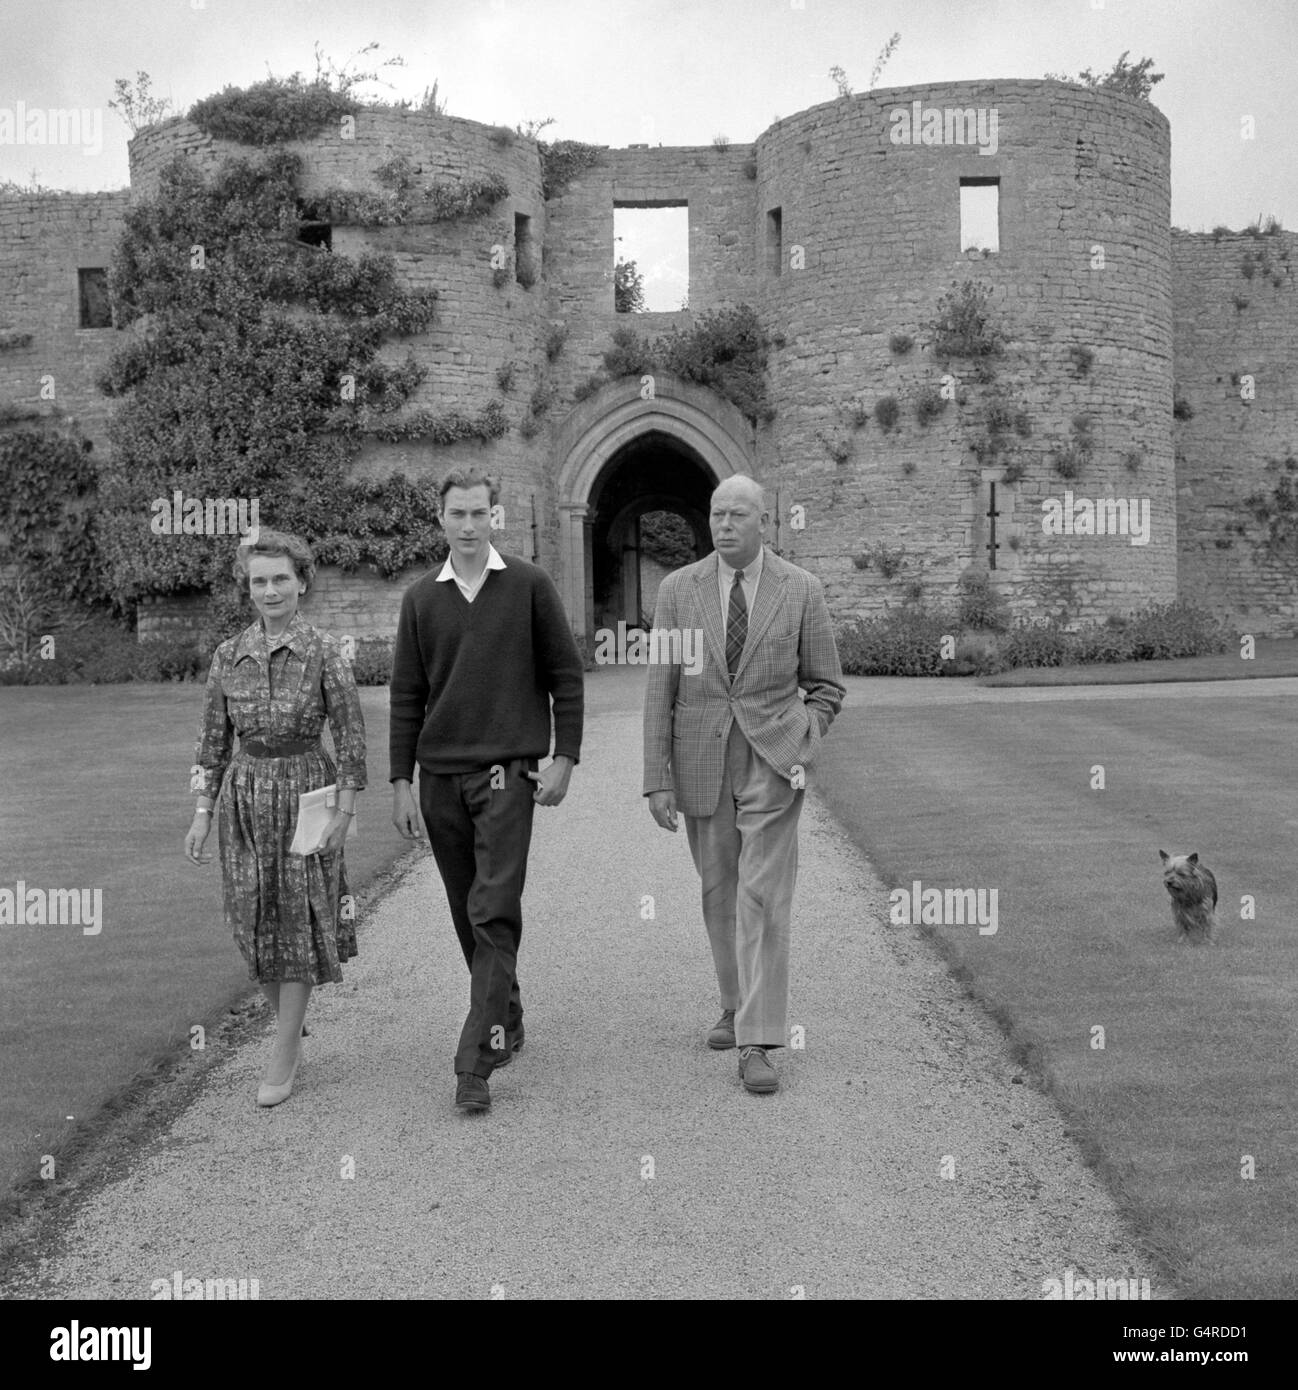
<point x="312" y="228"/>
<point x="980" y="215"/>
<point x="316" y="234"/>
<point x="96" y="310"/>
<point x="651" y="257"/>
<point x="775" y="241"/>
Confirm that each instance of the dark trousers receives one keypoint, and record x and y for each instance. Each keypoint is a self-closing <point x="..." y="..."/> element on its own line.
<point x="480" y="836"/>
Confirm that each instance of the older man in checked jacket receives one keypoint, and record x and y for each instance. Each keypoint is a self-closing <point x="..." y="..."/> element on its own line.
<point x="729" y="748"/>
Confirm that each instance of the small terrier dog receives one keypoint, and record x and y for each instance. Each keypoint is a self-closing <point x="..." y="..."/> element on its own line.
<point x="1194" y="895"/>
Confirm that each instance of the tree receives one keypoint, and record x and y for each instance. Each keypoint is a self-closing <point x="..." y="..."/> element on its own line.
<point x="628" y="288"/>
<point x="668" y="539"/>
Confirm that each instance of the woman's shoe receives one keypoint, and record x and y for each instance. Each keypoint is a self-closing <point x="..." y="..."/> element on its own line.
<point x="275" y="1095"/>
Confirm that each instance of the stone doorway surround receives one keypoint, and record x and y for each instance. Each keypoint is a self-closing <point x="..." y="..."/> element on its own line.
<point x="706" y="423"/>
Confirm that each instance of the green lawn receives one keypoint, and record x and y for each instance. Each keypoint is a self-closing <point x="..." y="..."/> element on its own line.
<point x="1199" y="1059"/>
<point x="97" y="796"/>
<point x="1272" y="656"/>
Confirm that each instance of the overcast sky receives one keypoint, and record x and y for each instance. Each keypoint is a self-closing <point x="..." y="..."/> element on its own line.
<point x="678" y="71"/>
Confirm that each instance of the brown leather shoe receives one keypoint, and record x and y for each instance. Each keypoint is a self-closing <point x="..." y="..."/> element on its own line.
<point x="756" y="1071"/>
<point x="471" y="1092"/>
<point x="722" y="1035"/>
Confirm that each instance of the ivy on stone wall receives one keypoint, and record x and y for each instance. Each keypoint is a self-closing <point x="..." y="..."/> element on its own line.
<point x="390" y="523"/>
<point x="488" y="423"/>
<point x="405" y="199"/>
<point x="11" y="339"/>
<point x="561" y="162"/>
<point x="252" y="373"/>
<point x="49" y="479"/>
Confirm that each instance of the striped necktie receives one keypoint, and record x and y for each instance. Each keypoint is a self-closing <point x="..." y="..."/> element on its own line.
<point x="736" y="623"/>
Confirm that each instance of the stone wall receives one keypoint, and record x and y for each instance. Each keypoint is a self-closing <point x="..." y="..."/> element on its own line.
<point x="1230" y="327"/>
<point x="359" y="605"/>
<point x="44" y="241"/>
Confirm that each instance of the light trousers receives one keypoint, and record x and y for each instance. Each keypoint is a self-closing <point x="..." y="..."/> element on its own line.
<point x="746" y="853"/>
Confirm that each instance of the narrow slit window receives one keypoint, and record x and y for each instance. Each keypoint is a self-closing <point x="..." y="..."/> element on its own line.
<point x="92" y="293"/>
<point x="980" y="215"/>
<point x="524" y="267"/>
<point x="775" y="240"/>
<point x="993" y="545"/>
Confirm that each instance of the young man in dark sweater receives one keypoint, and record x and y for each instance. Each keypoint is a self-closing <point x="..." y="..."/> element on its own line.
<point x="483" y="646"/>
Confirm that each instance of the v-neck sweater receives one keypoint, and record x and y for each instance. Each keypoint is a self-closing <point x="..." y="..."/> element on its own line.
<point x="472" y="682"/>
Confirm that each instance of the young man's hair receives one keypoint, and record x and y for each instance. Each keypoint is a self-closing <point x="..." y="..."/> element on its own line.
<point x="466" y="478"/>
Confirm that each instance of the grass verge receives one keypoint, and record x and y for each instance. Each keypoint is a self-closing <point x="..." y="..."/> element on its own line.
<point x="1194" y="1075"/>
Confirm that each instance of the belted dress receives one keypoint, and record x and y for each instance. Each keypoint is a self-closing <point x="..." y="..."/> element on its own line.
<point x="292" y="916"/>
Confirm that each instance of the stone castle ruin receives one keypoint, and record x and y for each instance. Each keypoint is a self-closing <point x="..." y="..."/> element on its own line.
<point x="897" y="461"/>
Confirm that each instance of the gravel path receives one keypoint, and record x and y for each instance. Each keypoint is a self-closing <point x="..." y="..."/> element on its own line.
<point x="621" y="1157"/>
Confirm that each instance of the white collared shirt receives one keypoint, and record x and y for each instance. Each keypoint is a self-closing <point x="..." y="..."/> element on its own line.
<point x="726" y="579"/>
<point x="470" y="590"/>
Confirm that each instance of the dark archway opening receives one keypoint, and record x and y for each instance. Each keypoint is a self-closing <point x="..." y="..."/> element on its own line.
<point x="653" y="473"/>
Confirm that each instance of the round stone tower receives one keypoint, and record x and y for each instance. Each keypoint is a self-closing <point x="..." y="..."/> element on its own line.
<point x="863" y="205"/>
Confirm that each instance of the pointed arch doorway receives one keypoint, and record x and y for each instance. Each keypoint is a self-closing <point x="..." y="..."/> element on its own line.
<point x="632" y="449"/>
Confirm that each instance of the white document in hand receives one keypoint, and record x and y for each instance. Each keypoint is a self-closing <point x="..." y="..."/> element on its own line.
<point x="314" y="812"/>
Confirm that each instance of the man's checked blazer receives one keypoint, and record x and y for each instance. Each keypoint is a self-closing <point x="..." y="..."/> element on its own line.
<point x="790" y="644"/>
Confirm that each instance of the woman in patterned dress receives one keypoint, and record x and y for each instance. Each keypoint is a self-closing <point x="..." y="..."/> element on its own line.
<point x="275" y="684"/>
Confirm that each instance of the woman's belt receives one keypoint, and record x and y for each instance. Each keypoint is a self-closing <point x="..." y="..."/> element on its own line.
<point x="278" y="747"/>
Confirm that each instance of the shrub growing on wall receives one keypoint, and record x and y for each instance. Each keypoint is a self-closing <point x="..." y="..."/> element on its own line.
<point x="1277" y="510"/>
<point x="726" y="350"/>
<point x="963" y="327"/>
<point x="272" y="111"/>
